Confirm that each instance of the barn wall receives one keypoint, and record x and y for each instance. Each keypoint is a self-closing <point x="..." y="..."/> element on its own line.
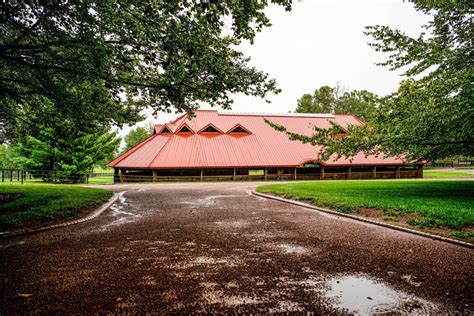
<point x="270" y="174"/>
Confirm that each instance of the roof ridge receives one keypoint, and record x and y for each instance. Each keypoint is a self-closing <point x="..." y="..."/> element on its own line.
<point x="159" y="151"/>
<point x="316" y="115"/>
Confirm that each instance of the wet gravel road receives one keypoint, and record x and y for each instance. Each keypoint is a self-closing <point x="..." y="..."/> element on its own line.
<point x="215" y="248"/>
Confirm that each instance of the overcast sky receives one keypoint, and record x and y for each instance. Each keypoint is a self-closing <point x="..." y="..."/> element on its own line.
<point x="321" y="42"/>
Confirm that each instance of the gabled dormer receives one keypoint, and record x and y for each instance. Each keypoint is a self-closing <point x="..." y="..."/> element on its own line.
<point x="184" y="129"/>
<point x="341" y="133"/>
<point x="239" y="130"/>
<point x="210" y="129"/>
<point x="164" y="130"/>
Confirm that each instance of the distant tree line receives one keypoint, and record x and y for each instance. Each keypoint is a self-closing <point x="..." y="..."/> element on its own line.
<point x="336" y="100"/>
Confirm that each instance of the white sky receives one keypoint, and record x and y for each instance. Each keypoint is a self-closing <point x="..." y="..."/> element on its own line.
<point x="321" y="42"/>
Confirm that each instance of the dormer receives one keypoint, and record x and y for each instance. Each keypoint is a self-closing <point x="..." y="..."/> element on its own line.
<point x="341" y="133"/>
<point x="164" y="130"/>
<point x="184" y="129"/>
<point x="210" y="129"/>
<point x="239" y="130"/>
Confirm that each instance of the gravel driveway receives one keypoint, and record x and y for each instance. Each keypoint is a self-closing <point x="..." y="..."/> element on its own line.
<point x="213" y="247"/>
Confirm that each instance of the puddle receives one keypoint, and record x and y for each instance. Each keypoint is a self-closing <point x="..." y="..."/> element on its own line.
<point x="117" y="208"/>
<point x="292" y="249"/>
<point x="120" y="211"/>
<point x="228" y="261"/>
<point x="233" y="224"/>
<point x="365" y="296"/>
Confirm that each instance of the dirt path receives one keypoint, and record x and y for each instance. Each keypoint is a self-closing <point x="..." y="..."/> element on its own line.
<point x="215" y="248"/>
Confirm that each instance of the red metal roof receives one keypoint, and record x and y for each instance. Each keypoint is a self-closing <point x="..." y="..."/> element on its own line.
<point x="263" y="146"/>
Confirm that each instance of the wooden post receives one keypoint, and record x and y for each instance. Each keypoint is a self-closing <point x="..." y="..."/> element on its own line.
<point x="11" y="175"/>
<point x="155" y="175"/>
<point x="202" y="175"/>
<point x="349" y="173"/>
<point x="397" y="172"/>
<point x="265" y="175"/>
<point x="122" y="173"/>
<point x="374" y="172"/>
<point x="116" y="175"/>
<point x="321" y="173"/>
<point x="295" y="173"/>
<point x="419" y="172"/>
<point x="3" y="175"/>
<point x="234" y="174"/>
<point x="279" y="173"/>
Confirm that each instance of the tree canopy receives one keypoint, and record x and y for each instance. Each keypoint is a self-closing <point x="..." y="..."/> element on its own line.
<point x="137" y="135"/>
<point x="335" y="100"/>
<point x="73" y="158"/>
<point x="126" y="55"/>
<point x="69" y="70"/>
<point x="431" y="115"/>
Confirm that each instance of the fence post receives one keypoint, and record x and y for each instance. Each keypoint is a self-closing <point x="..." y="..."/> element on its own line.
<point x="11" y="175"/>
<point x="3" y="175"/>
<point x="21" y="176"/>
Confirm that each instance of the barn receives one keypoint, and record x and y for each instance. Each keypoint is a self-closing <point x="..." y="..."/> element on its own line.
<point x="213" y="145"/>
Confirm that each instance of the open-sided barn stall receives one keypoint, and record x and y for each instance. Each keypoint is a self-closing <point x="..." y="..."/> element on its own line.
<point x="239" y="146"/>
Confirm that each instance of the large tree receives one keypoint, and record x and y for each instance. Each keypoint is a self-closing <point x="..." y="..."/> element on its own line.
<point x="126" y="54"/>
<point x="68" y="160"/>
<point x="137" y="135"/>
<point x="323" y="100"/>
<point x="431" y="116"/>
<point x="336" y="100"/>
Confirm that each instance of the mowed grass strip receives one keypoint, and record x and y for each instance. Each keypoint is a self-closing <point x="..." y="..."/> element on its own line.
<point x="435" y="203"/>
<point x="32" y="204"/>
<point x="445" y="174"/>
<point x="101" y="180"/>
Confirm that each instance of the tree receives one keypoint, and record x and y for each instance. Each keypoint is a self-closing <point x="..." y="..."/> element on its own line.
<point x="72" y="161"/>
<point x="360" y="103"/>
<point x="431" y="115"/>
<point x="307" y="105"/>
<point x="127" y="55"/>
<point x="136" y="136"/>
<point x="334" y="100"/>
<point x="322" y="101"/>
<point x="4" y="163"/>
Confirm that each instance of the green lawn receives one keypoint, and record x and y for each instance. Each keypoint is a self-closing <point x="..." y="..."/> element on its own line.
<point x="103" y="170"/>
<point x="444" y="174"/>
<point x="434" y="203"/>
<point x="34" y="204"/>
<point x="101" y="180"/>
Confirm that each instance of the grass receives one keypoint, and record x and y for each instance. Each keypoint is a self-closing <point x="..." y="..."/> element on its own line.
<point x="462" y="234"/>
<point x="444" y="174"/>
<point x="33" y="204"/>
<point x="103" y="170"/>
<point x="101" y="180"/>
<point x="434" y="203"/>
